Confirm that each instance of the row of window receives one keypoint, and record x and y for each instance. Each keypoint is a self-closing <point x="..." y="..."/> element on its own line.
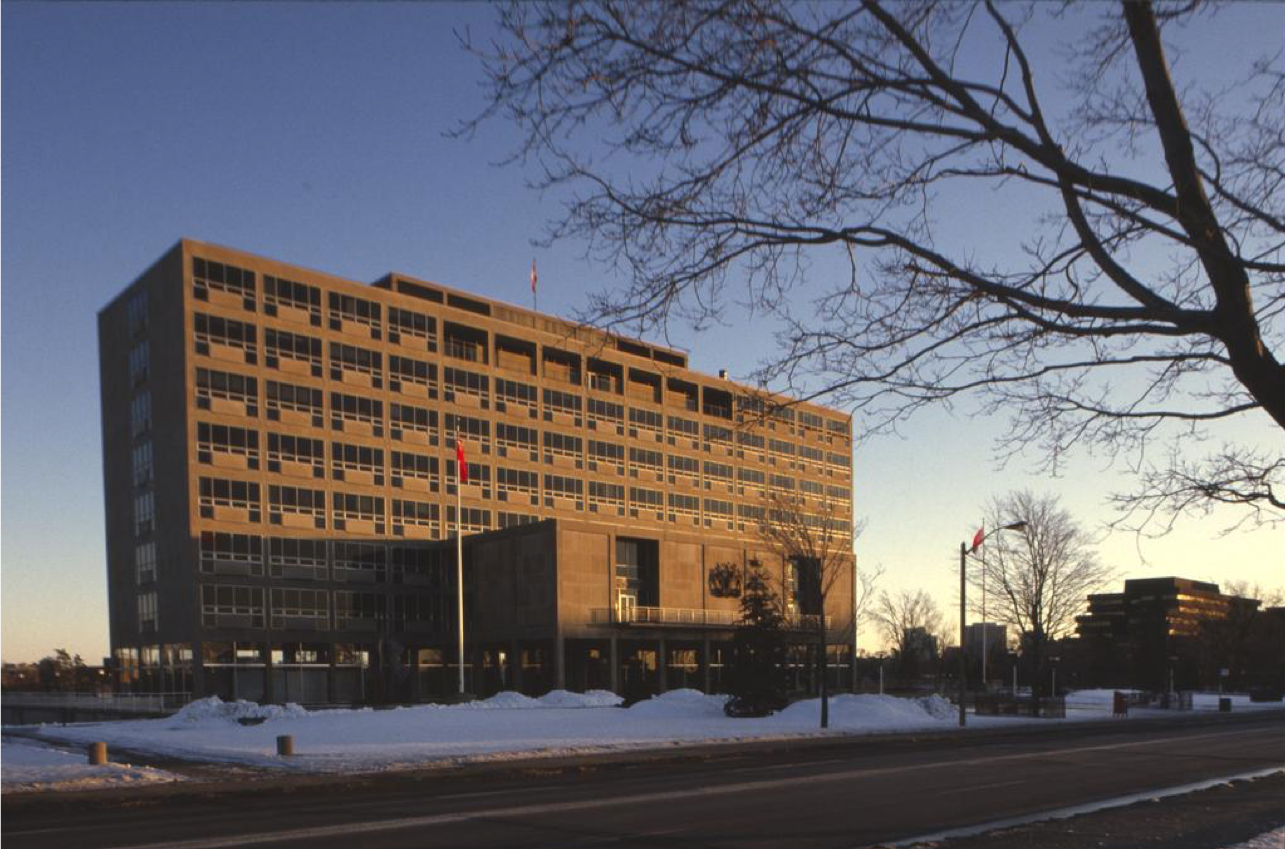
<point x="233" y="606"/>
<point x="366" y="415"/>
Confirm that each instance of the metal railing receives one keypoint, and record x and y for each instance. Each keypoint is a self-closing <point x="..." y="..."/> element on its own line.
<point x="119" y="702"/>
<point x="681" y="616"/>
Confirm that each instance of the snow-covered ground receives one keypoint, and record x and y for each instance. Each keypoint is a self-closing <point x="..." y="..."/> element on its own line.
<point x="1273" y="839"/>
<point x="28" y="765"/>
<point x="506" y="726"/>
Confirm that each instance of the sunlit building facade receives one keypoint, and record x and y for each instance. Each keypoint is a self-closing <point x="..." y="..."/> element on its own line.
<point x="280" y="489"/>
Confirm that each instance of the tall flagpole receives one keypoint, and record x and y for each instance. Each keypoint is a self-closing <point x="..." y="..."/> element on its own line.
<point x="459" y="555"/>
<point x="984" y="628"/>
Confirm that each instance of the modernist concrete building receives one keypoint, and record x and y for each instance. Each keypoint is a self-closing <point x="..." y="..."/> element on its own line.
<point x="280" y="485"/>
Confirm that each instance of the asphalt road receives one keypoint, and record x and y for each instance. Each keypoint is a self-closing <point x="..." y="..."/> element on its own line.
<point x="833" y="794"/>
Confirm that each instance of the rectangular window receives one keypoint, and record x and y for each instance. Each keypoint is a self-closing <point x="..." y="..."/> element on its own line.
<point x="416" y="518"/>
<point x="513" y="520"/>
<point x="687" y="506"/>
<point x="227" y="606"/>
<point x="297" y="506"/>
<point x="649" y="462"/>
<point x="755" y="480"/>
<point x="300" y="609"/>
<point x="357" y="463"/>
<point x="413" y="424"/>
<point x="144" y="513"/>
<point x="839" y="461"/>
<point x="229" y="500"/>
<point x="812" y="455"/>
<point x="290" y="300"/>
<point x="609" y="454"/>
<point x="140" y="413"/>
<point x="360" y="561"/>
<point x="351" y="512"/>
<point x="683" y="429"/>
<point x="838" y="428"/>
<point x="718" y="471"/>
<point x="147" y="613"/>
<point x="719" y="511"/>
<point x="563" y="447"/>
<point x="513" y="394"/>
<point x="419" y="612"/>
<point x="208" y="274"/>
<point x="406" y="326"/>
<point x="646" y="421"/>
<point x="607" y="498"/>
<point x="145" y="563"/>
<point x="810" y="421"/>
<point x="295" y="353"/>
<point x="839" y="493"/>
<point x="415" y="471"/>
<point x="356" y="414"/>
<point x="421" y="566"/>
<point x="231" y="554"/>
<point x="412" y="376"/>
<point x="139" y="363"/>
<point x="476" y="520"/>
<point x="479" y="475"/>
<point x="297" y="558"/>
<point x="354" y="315"/>
<point x="562" y="487"/>
<point x="142" y="464"/>
<point x="359" y="611"/>
<point x="649" y="501"/>
<point x="562" y="406"/>
<point x="296" y="455"/>
<point x="469" y="429"/>
<point x="606" y="413"/>
<point x="718" y="435"/>
<point x="227" y="392"/>
<point x="811" y="487"/>
<point x="290" y="402"/>
<point x="136" y="311"/>
<point x="514" y="438"/>
<point x="225" y="338"/>
<point x="356" y="365"/>
<point x="466" y="387"/>
<point x="780" y="447"/>
<point x="783" y="483"/>
<point x="235" y="445"/>
<point x="517" y="485"/>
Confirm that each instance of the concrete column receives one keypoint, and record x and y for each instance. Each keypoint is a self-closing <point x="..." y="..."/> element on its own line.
<point x="707" y="681"/>
<point x="269" y="676"/>
<point x="662" y="665"/>
<point x="332" y="685"/>
<point x="515" y="658"/>
<point x="198" y="670"/>
<point x="615" y="664"/>
<point x="560" y="662"/>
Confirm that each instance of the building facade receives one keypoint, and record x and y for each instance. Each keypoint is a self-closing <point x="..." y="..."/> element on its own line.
<point x="279" y="480"/>
<point x="1144" y="635"/>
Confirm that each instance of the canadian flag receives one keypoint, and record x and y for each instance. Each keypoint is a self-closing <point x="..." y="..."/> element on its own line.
<point x="461" y="464"/>
<point x="978" y="537"/>
<point x="533" y="277"/>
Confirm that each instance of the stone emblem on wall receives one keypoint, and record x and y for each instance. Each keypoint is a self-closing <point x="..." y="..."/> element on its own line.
<point x="725" y="581"/>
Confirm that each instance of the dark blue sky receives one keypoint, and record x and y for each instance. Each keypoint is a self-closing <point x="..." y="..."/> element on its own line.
<point x="314" y="134"/>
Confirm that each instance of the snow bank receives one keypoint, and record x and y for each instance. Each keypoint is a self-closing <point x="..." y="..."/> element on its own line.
<point x="26" y="766"/>
<point x="679" y="704"/>
<point x="214" y="709"/>
<point x="873" y="713"/>
<point x="593" y="698"/>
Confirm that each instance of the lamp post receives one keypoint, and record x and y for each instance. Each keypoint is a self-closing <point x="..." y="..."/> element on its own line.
<point x="963" y="634"/>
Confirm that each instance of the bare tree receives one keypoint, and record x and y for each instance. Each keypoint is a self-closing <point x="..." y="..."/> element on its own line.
<point x="906" y="617"/>
<point x="815" y="539"/>
<point x="1039" y="578"/>
<point x="710" y="141"/>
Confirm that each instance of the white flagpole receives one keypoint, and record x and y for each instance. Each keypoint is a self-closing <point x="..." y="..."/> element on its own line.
<point x="459" y="563"/>
<point x="984" y="628"/>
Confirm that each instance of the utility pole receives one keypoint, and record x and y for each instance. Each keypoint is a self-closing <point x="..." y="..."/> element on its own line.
<point x="963" y="564"/>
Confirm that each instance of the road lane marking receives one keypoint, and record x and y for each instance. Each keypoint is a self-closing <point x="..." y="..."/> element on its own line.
<point x="1072" y="811"/>
<point x="431" y="820"/>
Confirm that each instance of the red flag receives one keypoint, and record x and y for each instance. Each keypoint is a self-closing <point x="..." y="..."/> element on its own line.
<point x="461" y="465"/>
<point x="533" y="276"/>
<point x="978" y="537"/>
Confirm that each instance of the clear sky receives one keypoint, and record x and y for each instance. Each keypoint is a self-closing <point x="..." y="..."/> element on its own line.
<point x="313" y="134"/>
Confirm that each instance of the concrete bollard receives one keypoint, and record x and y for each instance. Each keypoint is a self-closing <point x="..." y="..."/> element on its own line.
<point x="97" y="754"/>
<point x="285" y="745"/>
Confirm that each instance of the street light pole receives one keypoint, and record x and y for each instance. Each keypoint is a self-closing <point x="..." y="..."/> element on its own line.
<point x="963" y="565"/>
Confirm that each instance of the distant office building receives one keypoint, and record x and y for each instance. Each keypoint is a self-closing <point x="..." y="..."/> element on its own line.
<point x="279" y="461"/>
<point x="994" y="637"/>
<point x="1141" y="635"/>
